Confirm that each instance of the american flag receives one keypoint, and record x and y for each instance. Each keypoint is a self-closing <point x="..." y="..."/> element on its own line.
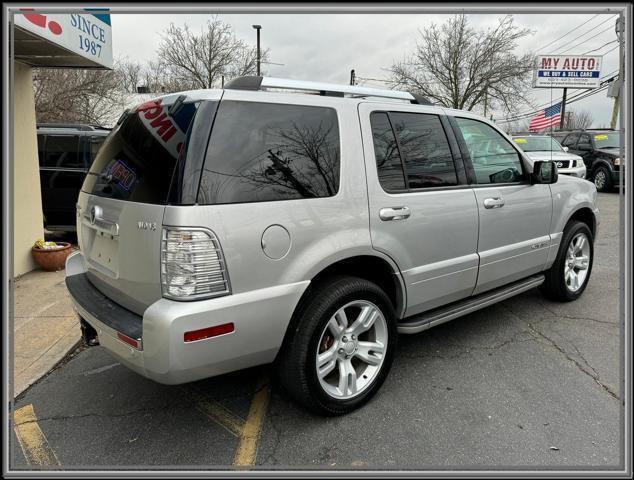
<point x="546" y="118"/>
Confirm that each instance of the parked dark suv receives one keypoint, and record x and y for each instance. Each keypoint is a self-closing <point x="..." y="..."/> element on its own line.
<point x="66" y="153"/>
<point x="600" y="151"/>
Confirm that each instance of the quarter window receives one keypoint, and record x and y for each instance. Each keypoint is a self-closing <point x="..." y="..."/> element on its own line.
<point x="571" y="140"/>
<point x="265" y="152"/>
<point x="493" y="158"/>
<point x="62" y="152"/>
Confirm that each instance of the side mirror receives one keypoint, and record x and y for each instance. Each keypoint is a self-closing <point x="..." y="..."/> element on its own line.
<point x="544" y="173"/>
<point x="565" y="149"/>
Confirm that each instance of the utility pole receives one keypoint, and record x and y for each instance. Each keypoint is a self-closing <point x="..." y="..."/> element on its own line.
<point x="352" y="77"/>
<point x="258" y="28"/>
<point x="563" y="110"/>
<point x="222" y="81"/>
<point x="620" y="28"/>
<point x="485" y="101"/>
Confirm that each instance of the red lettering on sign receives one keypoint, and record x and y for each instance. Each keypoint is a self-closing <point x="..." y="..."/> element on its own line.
<point x="40" y="20"/>
<point x="591" y="63"/>
<point x="566" y="64"/>
<point x="169" y="134"/>
<point x="546" y="62"/>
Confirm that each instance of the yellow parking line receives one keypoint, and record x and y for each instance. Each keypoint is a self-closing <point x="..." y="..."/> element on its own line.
<point x="248" y="447"/>
<point x="32" y="440"/>
<point x="221" y="415"/>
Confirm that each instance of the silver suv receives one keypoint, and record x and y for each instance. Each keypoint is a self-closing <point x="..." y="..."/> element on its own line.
<point x="222" y="229"/>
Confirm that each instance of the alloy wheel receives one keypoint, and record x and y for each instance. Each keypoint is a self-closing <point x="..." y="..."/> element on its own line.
<point x="577" y="262"/>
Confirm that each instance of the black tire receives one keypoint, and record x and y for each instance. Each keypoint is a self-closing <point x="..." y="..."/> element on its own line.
<point x="602" y="179"/>
<point x="554" y="286"/>
<point x="296" y="362"/>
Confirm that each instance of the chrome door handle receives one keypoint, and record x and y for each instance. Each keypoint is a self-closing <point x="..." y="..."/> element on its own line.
<point x="394" y="213"/>
<point x="495" y="202"/>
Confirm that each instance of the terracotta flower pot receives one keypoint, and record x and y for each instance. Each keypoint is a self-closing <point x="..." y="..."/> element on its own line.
<point x="52" y="259"/>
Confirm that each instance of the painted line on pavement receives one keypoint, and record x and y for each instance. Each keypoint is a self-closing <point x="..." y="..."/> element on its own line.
<point x="248" y="448"/>
<point x="220" y="414"/>
<point x="36" y="449"/>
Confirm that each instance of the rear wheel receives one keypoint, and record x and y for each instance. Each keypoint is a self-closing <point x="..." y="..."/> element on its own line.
<point x="568" y="277"/>
<point x="342" y="346"/>
<point x="603" y="179"/>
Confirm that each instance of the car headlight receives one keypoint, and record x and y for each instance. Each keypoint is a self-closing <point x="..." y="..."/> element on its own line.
<point x="617" y="161"/>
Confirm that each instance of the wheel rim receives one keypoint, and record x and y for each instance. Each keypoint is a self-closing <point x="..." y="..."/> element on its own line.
<point x="577" y="262"/>
<point x="351" y="349"/>
<point x="599" y="179"/>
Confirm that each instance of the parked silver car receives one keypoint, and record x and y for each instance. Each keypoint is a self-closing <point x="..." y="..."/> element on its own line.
<point x="546" y="148"/>
<point x="222" y="229"/>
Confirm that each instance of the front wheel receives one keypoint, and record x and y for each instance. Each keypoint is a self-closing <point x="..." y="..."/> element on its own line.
<point x="603" y="179"/>
<point x="568" y="277"/>
<point x="341" y="347"/>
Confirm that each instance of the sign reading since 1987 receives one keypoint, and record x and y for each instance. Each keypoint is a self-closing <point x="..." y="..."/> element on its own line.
<point x="567" y="71"/>
<point x="85" y="34"/>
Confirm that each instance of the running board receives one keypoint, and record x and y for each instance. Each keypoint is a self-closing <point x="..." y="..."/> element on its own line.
<point x="429" y="319"/>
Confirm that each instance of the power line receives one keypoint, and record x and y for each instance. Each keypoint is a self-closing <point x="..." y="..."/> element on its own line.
<point x="567" y="33"/>
<point x="586" y="40"/>
<point x="593" y="29"/>
<point x="572" y="99"/>
<point x="605" y="44"/>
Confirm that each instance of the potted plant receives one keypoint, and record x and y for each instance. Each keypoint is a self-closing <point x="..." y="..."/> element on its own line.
<point x="50" y="256"/>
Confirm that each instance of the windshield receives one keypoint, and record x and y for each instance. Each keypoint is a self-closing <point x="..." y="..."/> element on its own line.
<point x="538" y="144"/>
<point x="607" y="140"/>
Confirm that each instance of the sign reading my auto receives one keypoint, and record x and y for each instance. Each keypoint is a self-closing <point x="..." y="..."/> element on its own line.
<point x="567" y="71"/>
<point x="88" y="35"/>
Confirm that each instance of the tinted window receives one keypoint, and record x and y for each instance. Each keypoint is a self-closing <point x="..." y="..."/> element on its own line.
<point x="388" y="160"/>
<point x="584" y="141"/>
<point x="570" y="140"/>
<point x="264" y="152"/>
<point x="425" y="150"/>
<point x="62" y="152"/>
<point x="41" y="141"/>
<point x="95" y="144"/>
<point x="137" y="160"/>
<point x="493" y="158"/>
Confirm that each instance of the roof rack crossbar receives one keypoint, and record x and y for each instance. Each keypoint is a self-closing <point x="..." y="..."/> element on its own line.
<point x="329" y="89"/>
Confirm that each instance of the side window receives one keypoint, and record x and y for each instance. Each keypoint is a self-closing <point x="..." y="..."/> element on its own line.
<point x="62" y="152"/>
<point x="425" y="150"/>
<point x="95" y="143"/>
<point x="493" y="158"/>
<point x="585" y="143"/>
<point x="265" y="152"/>
<point x="388" y="160"/>
<point x="571" y="140"/>
<point x="41" y="142"/>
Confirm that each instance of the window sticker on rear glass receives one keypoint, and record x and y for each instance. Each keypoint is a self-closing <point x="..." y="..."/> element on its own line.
<point x="519" y="140"/>
<point x="121" y="172"/>
<point x="601" y="137"/>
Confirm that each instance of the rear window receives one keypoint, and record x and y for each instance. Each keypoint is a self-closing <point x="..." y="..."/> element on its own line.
<point x="265" y="152"/>
<point x="137" y="161"/>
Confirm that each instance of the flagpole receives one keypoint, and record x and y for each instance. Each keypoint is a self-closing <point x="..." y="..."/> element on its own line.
<point x="563" y="110"/>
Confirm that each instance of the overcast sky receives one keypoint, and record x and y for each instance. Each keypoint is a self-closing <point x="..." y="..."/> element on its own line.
<point x="325" y="47"/>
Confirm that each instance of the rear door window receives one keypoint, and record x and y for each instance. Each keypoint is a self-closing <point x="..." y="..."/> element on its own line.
<point x="137" y="161"/>
<point x="62" y="151"/>
<point x="262" y="152"/>
<point x="571" y="140"/>
<point x="425" y="150"/>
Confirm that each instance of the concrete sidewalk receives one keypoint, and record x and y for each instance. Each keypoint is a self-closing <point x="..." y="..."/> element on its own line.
<point x="46" y="327"/>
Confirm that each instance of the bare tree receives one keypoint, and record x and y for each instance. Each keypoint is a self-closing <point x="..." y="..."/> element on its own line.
<point x="459" y="66"/>
<point x="74" y="95"/>
<point x="130" y="74"/>
<point x="578" y="119"/>
<point x="200" y="60"/>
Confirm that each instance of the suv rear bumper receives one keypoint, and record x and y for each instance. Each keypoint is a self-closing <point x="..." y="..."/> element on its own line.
<point x="260" y="318"/>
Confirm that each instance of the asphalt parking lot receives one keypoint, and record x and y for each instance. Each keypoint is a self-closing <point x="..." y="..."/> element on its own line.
<point x="527" y="383"/>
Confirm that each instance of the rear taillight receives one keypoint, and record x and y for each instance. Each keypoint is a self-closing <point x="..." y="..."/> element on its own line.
<point x="192" y="265"/>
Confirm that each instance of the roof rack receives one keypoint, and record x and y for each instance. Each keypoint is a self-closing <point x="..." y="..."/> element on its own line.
<point x="324" y="89"/>
<point x="79" y="126"/>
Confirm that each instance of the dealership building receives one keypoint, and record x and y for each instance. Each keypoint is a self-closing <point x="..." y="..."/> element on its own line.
<point x="70" y="40"/>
